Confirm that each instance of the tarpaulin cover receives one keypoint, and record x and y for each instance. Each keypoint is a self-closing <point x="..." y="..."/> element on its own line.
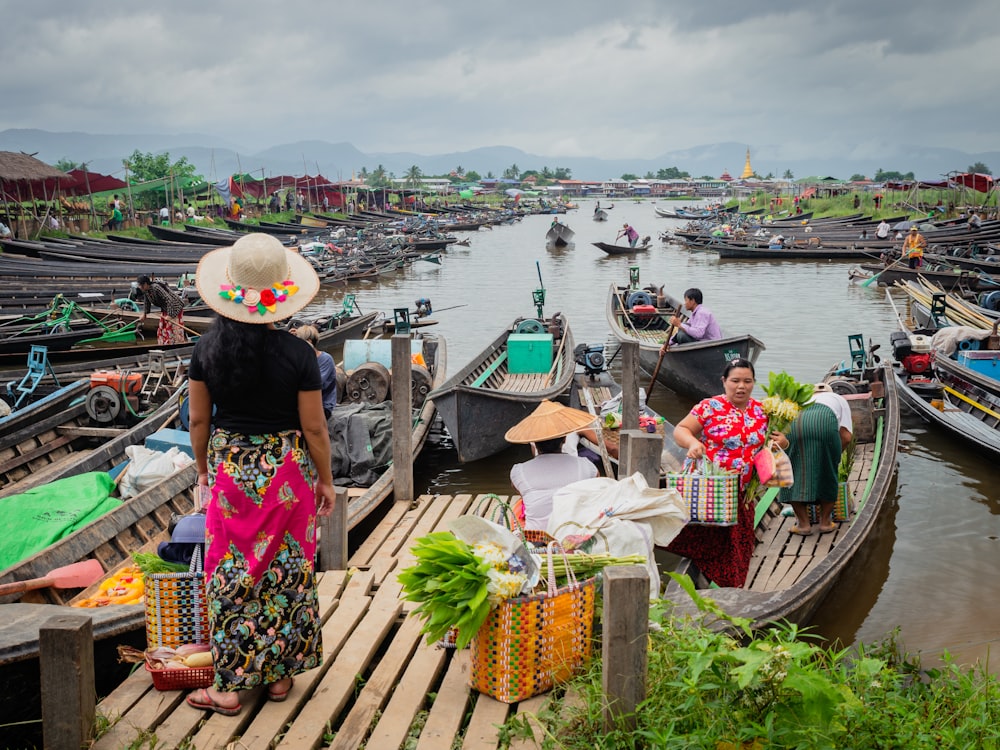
<point x="982" y="183"/>
<point x="35" y="519"/>
<point x="360" y="442"/>
<point x="92" y="182"/>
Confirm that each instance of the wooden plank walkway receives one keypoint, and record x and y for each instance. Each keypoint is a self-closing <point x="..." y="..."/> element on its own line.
<point x="380" y="683"/>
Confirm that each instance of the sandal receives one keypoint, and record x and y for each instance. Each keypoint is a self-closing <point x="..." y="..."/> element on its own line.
<point x="827" y="530"/>
<point x="277" y="696"/>
<point x="798" y="532"/>
<point x="206" y="703"/>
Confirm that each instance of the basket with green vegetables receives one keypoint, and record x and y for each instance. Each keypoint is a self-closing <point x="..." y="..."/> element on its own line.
<point x="457" y="584"/>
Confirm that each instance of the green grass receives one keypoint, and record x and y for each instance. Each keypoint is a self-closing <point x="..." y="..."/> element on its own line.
<point x="779" y="688"/>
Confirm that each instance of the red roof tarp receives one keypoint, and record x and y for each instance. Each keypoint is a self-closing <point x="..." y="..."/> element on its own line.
<point x="982" y="183"/>
<point x="91" y="182"/>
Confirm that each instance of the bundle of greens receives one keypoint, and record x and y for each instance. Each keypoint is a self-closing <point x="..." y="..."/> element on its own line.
<point x="785" y="400"/>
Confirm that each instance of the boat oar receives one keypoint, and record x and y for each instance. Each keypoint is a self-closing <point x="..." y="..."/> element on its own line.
<point x="663" y="350"/>
<point x="874" y="277"/>
<point x="79" y="575"/>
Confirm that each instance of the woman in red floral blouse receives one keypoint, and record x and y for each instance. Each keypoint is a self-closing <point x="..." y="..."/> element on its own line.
<point x="728" y="429"/>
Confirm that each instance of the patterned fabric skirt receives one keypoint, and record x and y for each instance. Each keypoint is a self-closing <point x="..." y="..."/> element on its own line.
<point x="171" y="331"/>
<point x="259" y="559"/>
<point x="814" y="451"/>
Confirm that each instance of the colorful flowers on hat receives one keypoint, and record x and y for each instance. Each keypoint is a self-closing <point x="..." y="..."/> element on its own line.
<point x="263" y="301"/>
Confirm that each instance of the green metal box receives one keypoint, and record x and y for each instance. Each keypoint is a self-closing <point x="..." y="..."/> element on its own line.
<point x="529" y="352"/>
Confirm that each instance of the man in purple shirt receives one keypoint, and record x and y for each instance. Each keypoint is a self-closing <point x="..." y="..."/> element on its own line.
<point x="700" y="324"/>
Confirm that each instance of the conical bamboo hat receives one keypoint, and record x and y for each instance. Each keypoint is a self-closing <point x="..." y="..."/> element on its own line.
<point x="547" y="422"/>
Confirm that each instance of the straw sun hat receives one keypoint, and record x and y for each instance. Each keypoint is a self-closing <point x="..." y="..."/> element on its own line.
<point x="257" y="280"/>
<point x="547" y="422"/>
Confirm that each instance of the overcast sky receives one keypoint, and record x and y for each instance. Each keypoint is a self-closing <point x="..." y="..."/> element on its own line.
<point x="560" y="78"/>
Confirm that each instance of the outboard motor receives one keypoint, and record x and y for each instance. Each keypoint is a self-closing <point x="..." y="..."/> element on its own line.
<point x="591" y="358"/>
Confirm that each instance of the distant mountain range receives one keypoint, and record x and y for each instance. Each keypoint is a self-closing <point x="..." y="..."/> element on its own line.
<point x="105" y="153"/>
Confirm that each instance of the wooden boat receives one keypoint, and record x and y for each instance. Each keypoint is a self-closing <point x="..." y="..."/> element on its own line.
<point x="600" y="215"/>
<point x="559" y="235"/>
<point x="622" y="249"/>
<point x="521" y="367"/>
<point x="790" y="575"/>
<point x="362" y="501"/>
<point x="692" y="369"/>
<point x="947" y="280"/>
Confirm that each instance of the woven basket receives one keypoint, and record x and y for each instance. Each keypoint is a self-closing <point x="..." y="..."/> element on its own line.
<point x="176" y="611"/>
<point x="188" y="678"/>
<point x="531" y="643"/>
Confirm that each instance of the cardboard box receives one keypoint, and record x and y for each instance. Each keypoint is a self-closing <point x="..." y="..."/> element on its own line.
<point x="863" y="415"/>
<point x="529" y="352"/>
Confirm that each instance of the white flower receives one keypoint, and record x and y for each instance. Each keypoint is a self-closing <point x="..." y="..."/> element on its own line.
<point x="491" y="554"/>
<point x="503" y="585"/>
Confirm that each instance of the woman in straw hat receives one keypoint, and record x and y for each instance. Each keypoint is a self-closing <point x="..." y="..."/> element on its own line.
<point x="264" y="459"/>
<point x="538" y="479"/>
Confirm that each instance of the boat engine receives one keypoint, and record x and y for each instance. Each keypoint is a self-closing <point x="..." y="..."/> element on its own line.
<point x="591" y="358"/>
<point x="113" y="395"/>
<point x="917" y="364"/>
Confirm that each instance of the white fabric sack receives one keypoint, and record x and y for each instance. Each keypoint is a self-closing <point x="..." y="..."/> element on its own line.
<point x="147" y="467"/>
<point x="945" y="340"/>
<point x="618" y="517"/>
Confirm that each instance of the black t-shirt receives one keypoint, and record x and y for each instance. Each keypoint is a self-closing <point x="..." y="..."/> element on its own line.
<point x="271" y="403"/>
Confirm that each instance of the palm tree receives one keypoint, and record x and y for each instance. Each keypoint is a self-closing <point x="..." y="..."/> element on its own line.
<point x="363" y="174"/>
<point x="788" y="174"/>
<point x="379" y="176"/>
<point x="413" y="176"/>
<point x="459" y="171"/>
<point x="512" y="172"/>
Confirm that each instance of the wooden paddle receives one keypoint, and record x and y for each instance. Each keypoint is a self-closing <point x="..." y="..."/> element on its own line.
<point x="663" y="350"/>
<point x="79" y="575"/>
<point x="874" y="277"/>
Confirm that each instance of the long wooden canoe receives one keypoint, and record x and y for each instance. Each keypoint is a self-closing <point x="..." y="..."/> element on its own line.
<point x="790" y="575"/>
<point x="692" y="369"/>
<point x="611" y="249"/>
<point x="485" y="398"/>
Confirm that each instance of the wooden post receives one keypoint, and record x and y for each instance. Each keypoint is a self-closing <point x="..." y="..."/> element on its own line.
<point x="66" y="656"/>
<point x="625" y="632"/>
<point x="402" y="419"/>
<point x="630" y="385"/>
<point x="640" y="451"/>
<point x="333" y="535"/>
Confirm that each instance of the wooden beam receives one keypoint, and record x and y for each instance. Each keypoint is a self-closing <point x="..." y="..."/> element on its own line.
<point x="69" y="699"/>
<point x="333" y="535"/>
<point x="402" y="419"/>
<point x="625" y="632"/>
<point x="630" y="385"/>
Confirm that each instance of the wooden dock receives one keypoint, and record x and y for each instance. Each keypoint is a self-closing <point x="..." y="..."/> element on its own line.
<point x="380" y="682"/>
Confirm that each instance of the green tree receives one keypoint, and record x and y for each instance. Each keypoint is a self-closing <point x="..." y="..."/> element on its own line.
<point x="472" y="176"/>
<point x="884" y="176"/>
<point x="413" y="176"/>
<point x="629" y="177"/>
<point x="788" y="175"/>
<point x="490" y="176"/>
<point x="857" y="177"/>
<point x="149" y="166"/>
<point x="671" y="173"/>
<point x="512" y="172"/>
<point x="379" y="178"/>
<point x="363" y="175"/>
<point x="67" y="165"/>
<point x="562" y="173"/>
<point x="979" y="168"/>
<point x="459" y="171"/>
<point x="546" y="173"/>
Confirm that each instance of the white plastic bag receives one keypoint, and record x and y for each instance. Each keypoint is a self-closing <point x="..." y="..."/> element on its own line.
<point x="147" y="467"/>
<point x="618" y="517"/>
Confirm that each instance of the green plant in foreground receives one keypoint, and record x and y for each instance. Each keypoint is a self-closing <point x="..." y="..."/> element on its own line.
<point x="776" y="688"/>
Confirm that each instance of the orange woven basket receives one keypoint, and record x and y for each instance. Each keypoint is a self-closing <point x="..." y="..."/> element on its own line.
<point x="531" y="643"/>
<point x="176" y="610"/>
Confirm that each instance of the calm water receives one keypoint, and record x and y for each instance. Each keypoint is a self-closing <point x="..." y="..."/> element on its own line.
<point x="930" y="569"/>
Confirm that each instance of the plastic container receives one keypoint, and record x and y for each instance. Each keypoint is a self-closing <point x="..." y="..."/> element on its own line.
<point x="919" y="343"/>
<point x="188" y="678"/>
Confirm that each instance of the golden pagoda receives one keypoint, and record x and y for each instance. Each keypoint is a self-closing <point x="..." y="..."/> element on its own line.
<point x="747" y="169"/>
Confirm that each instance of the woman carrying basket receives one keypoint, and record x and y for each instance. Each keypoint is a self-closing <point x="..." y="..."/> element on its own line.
<point x="727" y="429"/>
<point x="264" y="457"/>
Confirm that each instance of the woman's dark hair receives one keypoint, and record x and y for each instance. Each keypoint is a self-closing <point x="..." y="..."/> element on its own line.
<point x="736" y="364"/>
<point x="233" y="355"/>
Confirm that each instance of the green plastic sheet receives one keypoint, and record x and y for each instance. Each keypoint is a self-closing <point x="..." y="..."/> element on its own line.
<point x="42" y="516"/>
